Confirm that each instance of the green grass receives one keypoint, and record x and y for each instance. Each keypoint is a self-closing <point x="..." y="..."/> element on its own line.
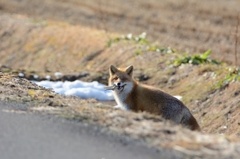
<point x="144" y="44"/>
<point x="138" y="39"/>
<point x="196" y="59"/>
<point x="233" y="75"/>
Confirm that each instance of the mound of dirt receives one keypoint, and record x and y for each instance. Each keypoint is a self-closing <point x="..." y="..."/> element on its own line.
<point x="64" y="36"/>
<point x="142" y="126"/>
<point x="187" y="25"/>
<point x="53" y="47"/>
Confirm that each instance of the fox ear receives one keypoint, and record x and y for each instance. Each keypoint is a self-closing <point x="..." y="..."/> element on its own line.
<point x="129" y="70"/>
<point x="112" y="69"/>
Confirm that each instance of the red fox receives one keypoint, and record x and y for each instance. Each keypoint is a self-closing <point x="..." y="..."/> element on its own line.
<point x="130" y="95"/>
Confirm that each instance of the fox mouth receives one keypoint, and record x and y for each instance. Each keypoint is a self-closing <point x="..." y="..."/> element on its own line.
<point x="120" y="88"/>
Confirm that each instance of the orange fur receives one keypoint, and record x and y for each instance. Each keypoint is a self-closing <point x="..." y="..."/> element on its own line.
<point x="131" y="95"/>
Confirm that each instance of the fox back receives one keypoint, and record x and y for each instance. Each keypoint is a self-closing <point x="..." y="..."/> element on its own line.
<point x="130" y="95"/>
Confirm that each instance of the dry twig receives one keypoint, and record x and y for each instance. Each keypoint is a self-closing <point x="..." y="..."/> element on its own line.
<point x="236" y="40"/>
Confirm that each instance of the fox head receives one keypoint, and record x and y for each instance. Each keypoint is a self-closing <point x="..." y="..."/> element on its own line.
<point x="121" y="78"/>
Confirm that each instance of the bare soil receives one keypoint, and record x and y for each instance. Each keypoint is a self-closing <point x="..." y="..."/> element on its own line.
<point x="144" y="127"/>
<point x="189" y="26"/>
<point x="48" y="36"/>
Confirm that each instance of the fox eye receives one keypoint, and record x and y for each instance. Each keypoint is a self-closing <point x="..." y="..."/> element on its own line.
<point x="115" y="78"/>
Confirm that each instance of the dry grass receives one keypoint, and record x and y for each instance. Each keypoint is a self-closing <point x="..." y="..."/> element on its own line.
<point x="56" y="46"/>
<point x="197" y="26"/>
<point x="142" y="126"/>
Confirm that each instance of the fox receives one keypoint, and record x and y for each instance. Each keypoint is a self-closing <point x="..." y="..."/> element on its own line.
<point x="129" y="94"/>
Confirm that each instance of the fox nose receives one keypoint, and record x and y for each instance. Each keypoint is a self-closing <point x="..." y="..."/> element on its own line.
<point x="118" y="84"/>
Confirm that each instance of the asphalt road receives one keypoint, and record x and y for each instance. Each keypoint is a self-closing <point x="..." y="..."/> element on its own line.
<point x="25" y="135"/>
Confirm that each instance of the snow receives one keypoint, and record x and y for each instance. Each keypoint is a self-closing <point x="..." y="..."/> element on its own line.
<point x="48" y="77"/>
<point x="58" y="74"/>
<point x="81" y="89"/>
<point x="21" y="75"/>
<point x="35" y="76"/>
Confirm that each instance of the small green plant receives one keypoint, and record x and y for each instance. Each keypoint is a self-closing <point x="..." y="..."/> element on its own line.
<point x="145" y="44"/>
<point x="232" y="76"/>
<point x="196" y="59"/>
<point x="161" y="49"/>
<point x="146" y="48"/>
<point x="138" y="52"/>
<point x="139" y="39"/>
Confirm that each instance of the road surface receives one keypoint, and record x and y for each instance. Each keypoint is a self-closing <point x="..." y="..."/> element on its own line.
<point x="25" y="135"/>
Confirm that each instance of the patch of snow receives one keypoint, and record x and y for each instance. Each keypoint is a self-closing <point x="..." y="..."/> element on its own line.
<point x="35" y="76"/>
<point x="224" y="127"/>
<point x="48" y="77"/>
<point x="78" y="88"/>
<point x="129" y="36"/>
<point x="81" y="89"/>
<point x="58" y="74"/>
<point x="21" y="75"/>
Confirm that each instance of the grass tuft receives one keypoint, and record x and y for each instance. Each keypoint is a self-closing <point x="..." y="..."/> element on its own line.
<point x="196" y="59"/>
<point x="233" y="75"/>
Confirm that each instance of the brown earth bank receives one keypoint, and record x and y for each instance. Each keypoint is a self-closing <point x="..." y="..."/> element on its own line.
<point x="53" y="46"/>
<point x="187" y="25"/>
<point x="145" y="127"/>
<point x="44" y="37"/>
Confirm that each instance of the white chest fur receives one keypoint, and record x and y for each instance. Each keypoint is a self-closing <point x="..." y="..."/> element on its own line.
<point x="120" y="97"/>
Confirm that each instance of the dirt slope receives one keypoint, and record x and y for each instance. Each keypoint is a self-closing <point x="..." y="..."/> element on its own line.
<point x="53" y="46"/>
<point x="42" y="37"/>
<point x="192" y="26"/>
<point x="169" y="140"/>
